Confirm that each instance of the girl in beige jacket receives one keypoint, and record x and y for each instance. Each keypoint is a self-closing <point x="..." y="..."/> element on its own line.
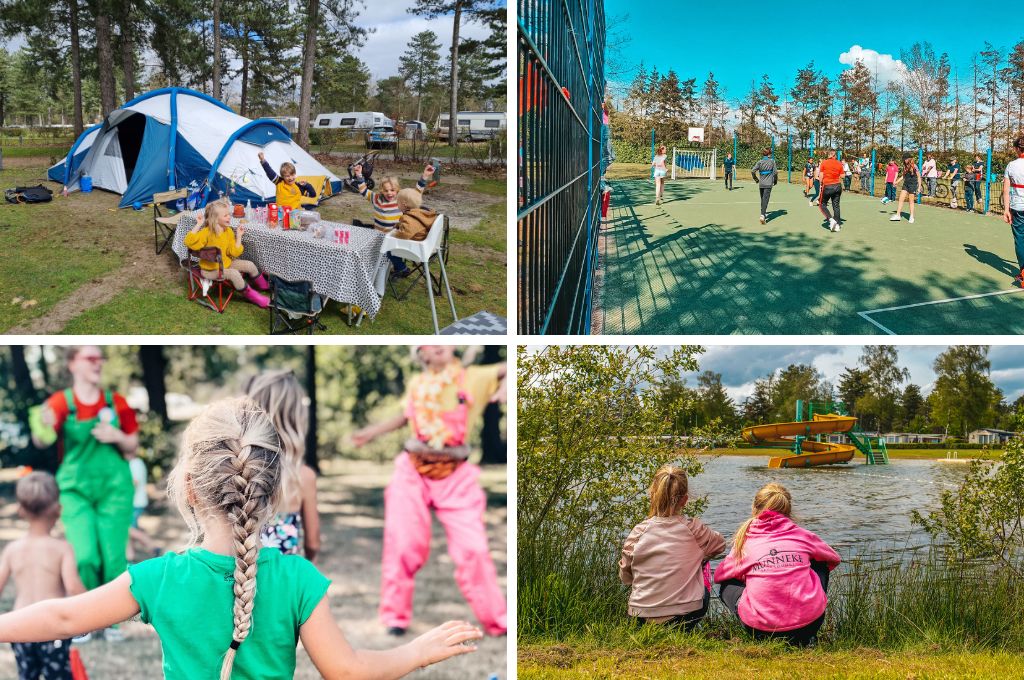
<point x="664" y="556"/>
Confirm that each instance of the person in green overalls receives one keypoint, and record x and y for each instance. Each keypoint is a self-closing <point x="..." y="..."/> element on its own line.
<point x="95" y="429"/>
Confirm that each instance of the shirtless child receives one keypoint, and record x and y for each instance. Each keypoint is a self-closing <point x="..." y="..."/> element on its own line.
<point x="43" y="567"/>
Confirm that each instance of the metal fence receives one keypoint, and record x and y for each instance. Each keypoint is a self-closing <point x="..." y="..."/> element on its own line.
<point x="561" y="87"/>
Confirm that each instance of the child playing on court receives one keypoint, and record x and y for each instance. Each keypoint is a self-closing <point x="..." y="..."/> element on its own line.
<point x="660" y="172"/>
<point x="663" y="557"/>
<point x="227" y="605"/>
<point x="775" y="578"/>
<point x="766" y="174"/>
<point x="973" y="181"/>
<point x="43" y="567"/>
<point x="954" y="177"/>
<point x="892" y="172"/>
<point x="809" y="171"/>
<point x="290" y="192"/>
<point x="386" y="211"/>
<point x="416" y="221"/>
<point x="728" y="164"/>
<point x="911" y="188"/>
<point x="213" y="229"/>
<point x="281" y="396"/>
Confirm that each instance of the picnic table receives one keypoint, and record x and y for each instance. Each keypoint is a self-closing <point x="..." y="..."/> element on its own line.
<point x="348" y="272"/>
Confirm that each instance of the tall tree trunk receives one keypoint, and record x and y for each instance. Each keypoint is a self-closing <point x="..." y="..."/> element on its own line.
<point x="154" y="368"/>
<point x="974" y="121"/>
<point x="128" y="57"/>
<point x="245" y="81"/>
<point x="76" y="68"/>
<point x="311" y="434"/>
<point x="216" y="49"/>
<point x="25" y="393"/>
<point x="105" y="60"/>
<point x="494" y="448"/>
<point x="453" y="103"/>
<point x="308" y="62"/>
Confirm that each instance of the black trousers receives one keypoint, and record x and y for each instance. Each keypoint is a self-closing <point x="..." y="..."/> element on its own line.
<point x="729" y="593"/>
<point x="728" y="180"/>
<point x="687" y="621"/>
<point x="766" y="193"/>
<point x="49" y="659"/>
<point x="831" y="192"/>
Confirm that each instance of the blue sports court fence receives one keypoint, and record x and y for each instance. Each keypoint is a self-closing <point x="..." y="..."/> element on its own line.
<point x="560" y="66"/>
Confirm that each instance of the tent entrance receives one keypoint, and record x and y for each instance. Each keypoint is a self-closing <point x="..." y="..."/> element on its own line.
<point x="130" y="132"/>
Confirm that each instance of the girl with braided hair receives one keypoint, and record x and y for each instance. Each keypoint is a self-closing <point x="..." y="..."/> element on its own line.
<point x="212" y="619"/>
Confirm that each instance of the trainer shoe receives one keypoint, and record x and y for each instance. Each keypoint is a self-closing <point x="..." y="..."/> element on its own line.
<point x="763" y="219"/>
<point x="894" y="218"/>
<point x="833" y="225"/>
<point x="113" y="634"/>
<point x="911" y="219"/>
<point x="839" y="227"/>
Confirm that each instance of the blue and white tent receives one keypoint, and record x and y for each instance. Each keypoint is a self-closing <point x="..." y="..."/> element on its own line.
<point x="170" y="137"/>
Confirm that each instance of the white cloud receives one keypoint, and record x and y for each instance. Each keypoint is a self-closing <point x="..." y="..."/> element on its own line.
<point x="886" y="66"/>
<point x="385" y="45"/>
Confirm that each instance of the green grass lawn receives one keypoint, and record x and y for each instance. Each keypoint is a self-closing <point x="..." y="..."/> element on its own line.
<point x="81" y="265"/>
<point x="894" y="454"/>
<point x="702" y="263"/>
<point x="726" y="660"/>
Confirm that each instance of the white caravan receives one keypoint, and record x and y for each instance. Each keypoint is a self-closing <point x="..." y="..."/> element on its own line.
<point x="472" y="126"/>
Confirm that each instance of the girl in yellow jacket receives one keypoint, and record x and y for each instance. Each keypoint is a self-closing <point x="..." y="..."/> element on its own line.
<point x="214" y="230"/>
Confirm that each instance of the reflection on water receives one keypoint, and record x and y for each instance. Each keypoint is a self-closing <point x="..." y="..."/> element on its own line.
<point x="860" y="510"/>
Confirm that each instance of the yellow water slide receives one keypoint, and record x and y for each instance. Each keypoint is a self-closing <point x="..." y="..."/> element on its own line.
<point x="814" y="452"/>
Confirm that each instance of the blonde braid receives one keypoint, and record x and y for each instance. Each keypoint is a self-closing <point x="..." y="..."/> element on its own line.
<point x="230" y="468"/>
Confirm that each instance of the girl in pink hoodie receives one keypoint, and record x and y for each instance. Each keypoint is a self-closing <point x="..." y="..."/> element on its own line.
<point x="776" y="576"/>
<point x="664" y="557"/>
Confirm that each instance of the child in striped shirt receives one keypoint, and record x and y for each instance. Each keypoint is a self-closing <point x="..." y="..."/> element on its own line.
<point x="386" y="211"/>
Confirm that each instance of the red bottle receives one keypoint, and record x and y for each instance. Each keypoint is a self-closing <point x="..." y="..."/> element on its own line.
<point x="287" y="218"/>
<point x="272" y="213"/>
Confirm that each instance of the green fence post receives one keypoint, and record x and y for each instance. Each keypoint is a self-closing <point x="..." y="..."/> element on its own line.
<point x="988" y="179"/>
<point x="789" y="173"/>
<point x="872" y="172"/>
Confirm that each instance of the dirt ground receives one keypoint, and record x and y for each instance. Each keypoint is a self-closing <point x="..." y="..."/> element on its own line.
<point x="351" y="495"/>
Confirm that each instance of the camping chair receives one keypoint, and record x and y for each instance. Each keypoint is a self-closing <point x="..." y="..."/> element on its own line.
<point x="200" y="287"/>
<point x="420" y="253"/>
<point x="293" y="306"/>
<point x="164" y="225"/>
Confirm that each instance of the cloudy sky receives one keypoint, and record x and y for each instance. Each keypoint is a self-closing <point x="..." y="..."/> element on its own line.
<point x="393" y="27"/>
<point x="778" y="38"/>
<point x="741" y="365"/>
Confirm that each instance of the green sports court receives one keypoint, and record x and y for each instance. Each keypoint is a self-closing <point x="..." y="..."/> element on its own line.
<point x="701" y="263"/>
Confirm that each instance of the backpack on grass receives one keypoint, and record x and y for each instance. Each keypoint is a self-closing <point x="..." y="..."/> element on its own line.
<point x="36" y="194"/>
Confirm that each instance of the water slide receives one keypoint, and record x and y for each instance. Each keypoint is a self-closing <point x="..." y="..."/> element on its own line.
<point x="813" y="452"/>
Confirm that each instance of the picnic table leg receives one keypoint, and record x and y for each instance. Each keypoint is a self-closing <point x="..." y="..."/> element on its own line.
<point x="444" y="277"/>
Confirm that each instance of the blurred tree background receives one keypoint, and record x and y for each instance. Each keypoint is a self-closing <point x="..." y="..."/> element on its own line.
<point x="347" y="386"/>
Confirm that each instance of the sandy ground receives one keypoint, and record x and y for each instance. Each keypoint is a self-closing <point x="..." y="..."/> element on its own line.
<point x="352" y="515"/>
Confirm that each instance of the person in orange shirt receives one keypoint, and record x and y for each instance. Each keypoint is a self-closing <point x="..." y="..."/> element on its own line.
<point x="830" y="172"/>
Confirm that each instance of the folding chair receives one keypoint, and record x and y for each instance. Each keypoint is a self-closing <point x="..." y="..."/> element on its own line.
<point x="293" y="306"/>
<point x="200" y="287"/>
<point x="420" y="253"/>
<point x="164" y="225"/>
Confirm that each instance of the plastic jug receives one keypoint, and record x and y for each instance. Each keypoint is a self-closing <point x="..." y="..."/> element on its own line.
<point x="86" y="183"/>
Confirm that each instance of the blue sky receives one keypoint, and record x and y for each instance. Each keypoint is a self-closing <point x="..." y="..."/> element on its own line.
<point x="741" y="365"/>
<point x="749" y="38"/>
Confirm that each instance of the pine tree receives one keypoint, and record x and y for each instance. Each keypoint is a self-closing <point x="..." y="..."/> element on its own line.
<point x="421" y="67"/>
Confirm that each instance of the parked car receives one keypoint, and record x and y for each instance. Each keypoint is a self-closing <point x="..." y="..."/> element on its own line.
<point x="381" y="137"/>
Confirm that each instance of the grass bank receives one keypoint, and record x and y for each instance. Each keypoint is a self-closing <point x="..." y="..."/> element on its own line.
<point x="721" y="660"/>
<point x="81" y="265"/>
<point x="894" y="454"/>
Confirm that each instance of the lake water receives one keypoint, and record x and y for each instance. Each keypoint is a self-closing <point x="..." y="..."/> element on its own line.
<point x="857" y="509"/>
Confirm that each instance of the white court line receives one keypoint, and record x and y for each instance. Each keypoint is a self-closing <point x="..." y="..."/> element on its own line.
<point x="866" y="317"/>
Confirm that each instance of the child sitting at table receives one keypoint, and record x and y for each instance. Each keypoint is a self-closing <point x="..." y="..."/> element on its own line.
<point x="289" y="192"/>
<point x="214" y="230"/>
<point x="386" y="212"/>
<point x="415" y="222"/>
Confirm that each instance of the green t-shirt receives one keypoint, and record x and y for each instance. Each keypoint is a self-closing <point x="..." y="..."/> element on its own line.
<point x="188" y="598"/>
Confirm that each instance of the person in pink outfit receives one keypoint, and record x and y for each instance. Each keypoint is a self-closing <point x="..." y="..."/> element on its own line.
<point x="776" y="577"/>
<point x="432" y="473"/>
<point x="665" y="556"/>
